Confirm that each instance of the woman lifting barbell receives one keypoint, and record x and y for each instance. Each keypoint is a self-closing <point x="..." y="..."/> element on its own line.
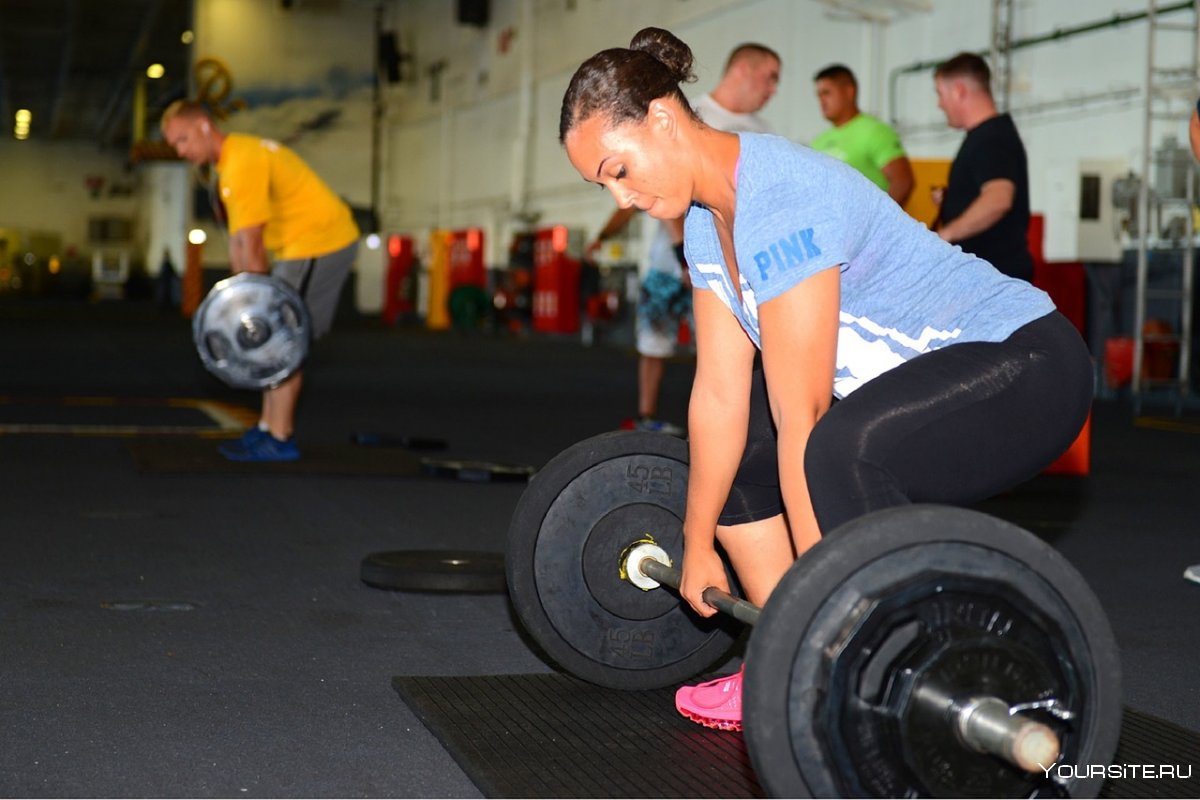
<point x="953" y="381"/>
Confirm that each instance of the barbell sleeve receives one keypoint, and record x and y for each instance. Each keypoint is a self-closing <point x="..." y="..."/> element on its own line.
<point x="735" y="607"/>
<point x="987" y="725"/>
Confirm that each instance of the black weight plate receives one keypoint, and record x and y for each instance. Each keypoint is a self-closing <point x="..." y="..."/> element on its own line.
<point x="367" y="439"/>
<point x="475" y="471"/>
<point x="568" y="532"/>
<point x="925" y="593"/>
<point x="434" y="571"/>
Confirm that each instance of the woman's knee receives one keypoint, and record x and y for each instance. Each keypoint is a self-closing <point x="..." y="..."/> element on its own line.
<point x="844" y="482"/>
<point x="829" y="456"/>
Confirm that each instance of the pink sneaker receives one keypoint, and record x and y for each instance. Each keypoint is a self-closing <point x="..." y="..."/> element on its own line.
<point x="716" y="704"/>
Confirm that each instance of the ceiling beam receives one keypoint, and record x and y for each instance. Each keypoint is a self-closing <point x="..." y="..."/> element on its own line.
<point x="6" y="109"/>
<point x="122" y="84"/>
<point x="70" y="15"/>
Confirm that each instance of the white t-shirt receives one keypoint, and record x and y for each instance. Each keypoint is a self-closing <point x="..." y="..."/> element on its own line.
<point x="661" y="255"/>
<point x="715" y="115"/>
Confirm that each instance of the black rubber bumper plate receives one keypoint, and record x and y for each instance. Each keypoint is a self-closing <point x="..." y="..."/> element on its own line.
<point x="476" y="471"/>
<point x="435" y="571"/>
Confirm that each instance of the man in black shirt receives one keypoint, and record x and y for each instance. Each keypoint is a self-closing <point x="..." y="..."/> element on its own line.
<point x="985" y="206"/>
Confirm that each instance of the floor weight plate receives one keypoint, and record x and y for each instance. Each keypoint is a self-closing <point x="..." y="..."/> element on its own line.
<point x="475" y="471"/>
<point x="369" y="439"/>
<point x="434" y="571"/>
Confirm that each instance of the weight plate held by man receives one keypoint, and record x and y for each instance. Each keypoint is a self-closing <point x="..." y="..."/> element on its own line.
<point x="252" y="331"/>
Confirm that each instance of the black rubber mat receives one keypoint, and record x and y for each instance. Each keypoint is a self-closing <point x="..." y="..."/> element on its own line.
<point x="183" y="456"/>
<point x="1148" y="740"/>
<point x="555" y="736"/>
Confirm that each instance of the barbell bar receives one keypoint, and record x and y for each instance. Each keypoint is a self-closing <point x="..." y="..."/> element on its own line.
<point x="646" y="565"/>
<point x="872" y="669"/>
<point x="982" y="723"/>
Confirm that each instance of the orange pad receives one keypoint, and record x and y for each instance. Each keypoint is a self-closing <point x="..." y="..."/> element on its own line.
<point x="1078" y="458"/>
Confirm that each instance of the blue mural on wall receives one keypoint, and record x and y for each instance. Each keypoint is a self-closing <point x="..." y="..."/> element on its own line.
<point x="338" y="84"/>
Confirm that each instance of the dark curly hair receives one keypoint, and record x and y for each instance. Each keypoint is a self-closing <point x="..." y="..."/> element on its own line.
<point x="622" y="82"/>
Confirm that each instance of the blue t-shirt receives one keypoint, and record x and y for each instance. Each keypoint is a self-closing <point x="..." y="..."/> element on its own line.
<point x="904" y="291"/>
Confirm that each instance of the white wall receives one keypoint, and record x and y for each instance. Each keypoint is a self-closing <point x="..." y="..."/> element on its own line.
<point x="451" y="157"/>
<point x="42" y="188"/>
<point x="451" y="154"/>
<point x="300" y="75"/>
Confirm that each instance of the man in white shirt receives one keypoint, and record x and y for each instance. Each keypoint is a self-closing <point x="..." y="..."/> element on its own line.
<point x="749" y="80"/>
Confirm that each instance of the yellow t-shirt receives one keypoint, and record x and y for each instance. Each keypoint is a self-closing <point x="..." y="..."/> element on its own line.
<point x="263" y="182"/>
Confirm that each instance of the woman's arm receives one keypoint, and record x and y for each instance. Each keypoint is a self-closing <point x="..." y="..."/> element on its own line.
<point x="718" y="413"/>
<point x="799" y="347"/>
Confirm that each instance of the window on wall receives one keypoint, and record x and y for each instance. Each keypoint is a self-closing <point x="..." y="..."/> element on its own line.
<point x="110" y="230"/>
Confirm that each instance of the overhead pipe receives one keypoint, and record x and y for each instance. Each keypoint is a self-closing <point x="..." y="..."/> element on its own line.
<point x="523" y="141"/>
<point x="1058" y="34"/>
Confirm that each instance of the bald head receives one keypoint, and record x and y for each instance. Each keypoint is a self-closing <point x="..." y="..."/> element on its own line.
<point x="189" y="128"/>
<point x="750" y="79"/>
<point x="185" y="109"/>
<point x="751" y="53"/>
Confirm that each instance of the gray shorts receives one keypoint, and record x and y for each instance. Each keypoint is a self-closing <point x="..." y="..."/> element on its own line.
<point x="319" y="281"/>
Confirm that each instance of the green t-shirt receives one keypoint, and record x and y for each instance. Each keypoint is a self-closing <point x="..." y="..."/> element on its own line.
<point x="866" y="143"/>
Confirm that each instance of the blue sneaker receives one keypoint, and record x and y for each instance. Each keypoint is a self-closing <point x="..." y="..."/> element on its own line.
<point x="252" y="435"/>
<point x="658" y="426"/>
<point x="263" y="448"/>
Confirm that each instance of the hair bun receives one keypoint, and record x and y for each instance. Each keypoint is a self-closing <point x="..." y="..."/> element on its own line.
<point x="668" y="49"/>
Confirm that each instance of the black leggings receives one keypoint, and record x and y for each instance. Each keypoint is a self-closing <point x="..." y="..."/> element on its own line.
<point x="955" y="426"/>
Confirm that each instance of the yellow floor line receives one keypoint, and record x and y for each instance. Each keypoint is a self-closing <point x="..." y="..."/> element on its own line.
<point x="1157" y="423"/>
<point x="117" y="430"/>
<point x="228" y="419"/>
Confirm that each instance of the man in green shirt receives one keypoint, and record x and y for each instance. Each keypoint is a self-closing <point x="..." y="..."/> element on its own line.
<point x="864" y="142"/>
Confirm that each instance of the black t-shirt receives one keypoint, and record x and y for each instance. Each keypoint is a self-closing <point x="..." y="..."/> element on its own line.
<point x="993" y="150"/>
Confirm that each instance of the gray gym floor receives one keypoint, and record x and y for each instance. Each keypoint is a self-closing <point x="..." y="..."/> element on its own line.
<point x="207" y="634"/>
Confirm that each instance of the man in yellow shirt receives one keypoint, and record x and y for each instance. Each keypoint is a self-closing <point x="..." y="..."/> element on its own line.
<point x="277" y="210"/>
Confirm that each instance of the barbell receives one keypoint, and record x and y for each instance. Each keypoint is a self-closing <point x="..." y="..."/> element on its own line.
<point x="917" y="651"/>
<point x="252" y="331"/>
